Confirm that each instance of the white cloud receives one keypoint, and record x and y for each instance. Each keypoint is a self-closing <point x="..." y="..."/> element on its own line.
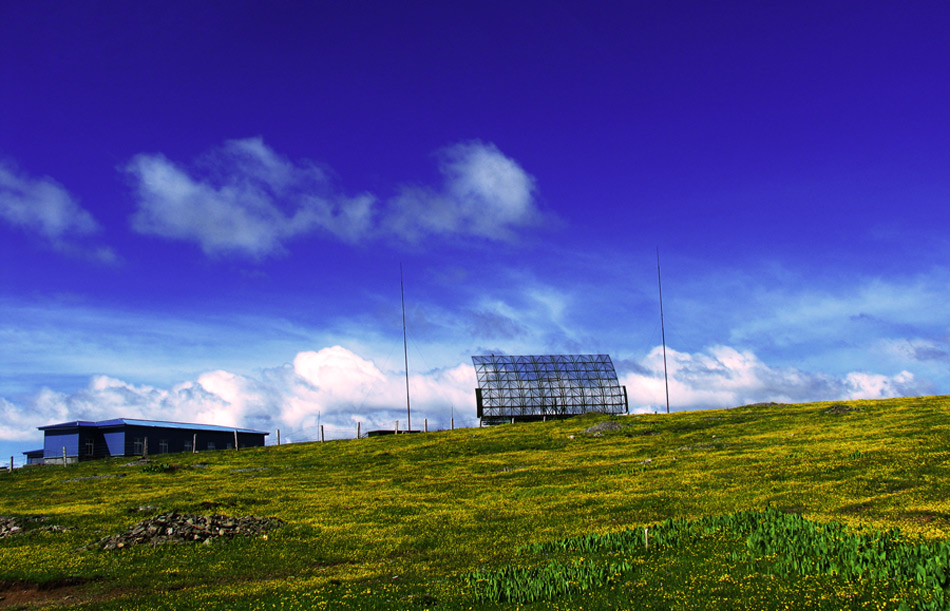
<point x="917" y="349"/>
<point x="245" y="198"/>
<point x="43" y="206"/>
<point x="333" y="387"/>
<point x="484" y="194"/>
<point x="849" y="310"/>
<point x="242" y="197"/>
<point x="725" y="377"/>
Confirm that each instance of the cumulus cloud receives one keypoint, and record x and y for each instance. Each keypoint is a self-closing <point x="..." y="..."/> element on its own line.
<point x="333" y="387"/>
<point x="242" y="197"/>
<point x="245" y="198"/>
<point x="725" y="377"/>
<point x="42" y="206"/>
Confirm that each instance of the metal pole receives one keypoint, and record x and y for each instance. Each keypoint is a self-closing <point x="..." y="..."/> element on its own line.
<point x="662" y="329"/>
<point x="405" y="349"/>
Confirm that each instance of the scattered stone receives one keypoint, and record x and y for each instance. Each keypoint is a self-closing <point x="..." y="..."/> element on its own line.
<point x="841" y="408"/>
<point x="248" y="469"/>
<point x="699" y="446"/>
<point x="92" y="477"/>
<point x="600" y="427"/>
<point x="173" y="527"/>
<point x="12" y="525"/>
<point x="144" y="509"/>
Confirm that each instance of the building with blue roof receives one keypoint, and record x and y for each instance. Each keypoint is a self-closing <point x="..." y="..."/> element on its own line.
<point x="85" y="440"/>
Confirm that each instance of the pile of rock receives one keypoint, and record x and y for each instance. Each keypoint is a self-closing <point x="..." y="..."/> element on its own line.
<point x="188" y="528"/>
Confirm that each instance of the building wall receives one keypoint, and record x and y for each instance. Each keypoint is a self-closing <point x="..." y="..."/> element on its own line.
<point x="55" y="441"/>
<point x="84" y="443"/>
<point x="168" y="441"/>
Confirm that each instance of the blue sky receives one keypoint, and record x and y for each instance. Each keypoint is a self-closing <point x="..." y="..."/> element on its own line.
<point x="204" y="208"/>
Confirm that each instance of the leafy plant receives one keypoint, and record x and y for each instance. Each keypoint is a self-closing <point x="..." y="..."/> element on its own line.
<point x="160" y="467"/>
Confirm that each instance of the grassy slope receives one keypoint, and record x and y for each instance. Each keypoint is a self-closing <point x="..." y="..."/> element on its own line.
<point x="387" y="522"/>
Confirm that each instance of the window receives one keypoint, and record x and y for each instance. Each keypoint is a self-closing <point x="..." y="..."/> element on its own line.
<point x="138" y="446"/>
<point x="163" y="446"/>
<point x="210" y="445"/>
<point x="90" y="448"/>
<point x="187" y="446"/>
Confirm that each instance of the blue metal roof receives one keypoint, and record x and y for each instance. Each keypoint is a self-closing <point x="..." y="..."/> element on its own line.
<point x="69" y="425"/>
<point x="120" y="422"/>
<point x="34" y="453"/>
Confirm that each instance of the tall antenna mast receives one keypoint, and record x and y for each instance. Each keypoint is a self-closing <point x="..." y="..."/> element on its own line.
<point x="405" y="350"/>
<point x="659" y="285"/>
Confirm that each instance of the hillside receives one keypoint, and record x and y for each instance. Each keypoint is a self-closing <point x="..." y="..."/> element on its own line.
<point x="402" y="521"/>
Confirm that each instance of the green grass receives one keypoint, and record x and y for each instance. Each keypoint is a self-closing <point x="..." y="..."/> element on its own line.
<point x="412" y="521"/>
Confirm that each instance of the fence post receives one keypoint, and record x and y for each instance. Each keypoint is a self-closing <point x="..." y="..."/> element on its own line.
<point x="194" y="443"/>
<point x="452" y="423"/>
<point x="11" y="464"/>
<point x="145" y="448"/>
<point x="396" y="430"/>
<point x="235" y="441"/>
<point x="357" y="430"/>
<point x="321" y="434"/>
<point x="64" y="456"/>
<point x="278" y="436"/>
<point x="426" y="427"/>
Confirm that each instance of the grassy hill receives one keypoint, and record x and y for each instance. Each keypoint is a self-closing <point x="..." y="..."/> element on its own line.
<point x="431" y="521"/>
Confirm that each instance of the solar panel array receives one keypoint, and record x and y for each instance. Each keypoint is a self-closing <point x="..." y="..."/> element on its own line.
<point x="533" y="387"/>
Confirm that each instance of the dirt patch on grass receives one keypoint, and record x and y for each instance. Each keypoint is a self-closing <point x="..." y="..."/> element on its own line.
<point x="856" y="508"/>
<point x="25" y="594"/>
<point x="925" y="517"/>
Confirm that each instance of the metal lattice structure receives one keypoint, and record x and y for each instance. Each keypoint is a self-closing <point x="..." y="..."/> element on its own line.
<point x="538" y="387"/>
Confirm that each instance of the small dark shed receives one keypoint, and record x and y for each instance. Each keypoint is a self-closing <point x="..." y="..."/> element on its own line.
<point x="84" y="440"/>
<point x="34" y="457"/>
